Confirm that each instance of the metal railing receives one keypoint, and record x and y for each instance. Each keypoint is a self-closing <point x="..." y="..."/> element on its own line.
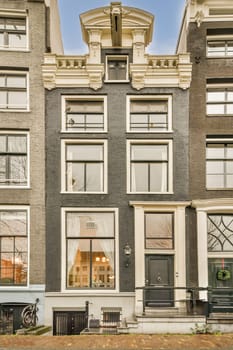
<point x="216" y="298"/>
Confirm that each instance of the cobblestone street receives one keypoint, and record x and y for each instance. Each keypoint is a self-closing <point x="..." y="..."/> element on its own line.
<point x="121" y="342"/>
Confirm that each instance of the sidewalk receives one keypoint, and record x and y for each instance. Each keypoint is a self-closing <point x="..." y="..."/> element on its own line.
<point x="121" y="342"/>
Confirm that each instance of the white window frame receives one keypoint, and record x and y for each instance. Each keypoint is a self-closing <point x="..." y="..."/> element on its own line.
<point x="27" y="134"/>
<point x="220" y="141"/>
<point x="17" y="73"/>
<point x="167" y="98"/>
<point x="170" y="163"/>
<point x="221" y="38"/>
<point x="221" y="87"/>
<point x="203" y="208"/>
<point x="63" y="163"/>
<point x="83" y="98"/>
<point x="117" y="57"/>
<point x="27" y="209"/>
<point x="16" y="15"/>
<point x="86" y="291"/>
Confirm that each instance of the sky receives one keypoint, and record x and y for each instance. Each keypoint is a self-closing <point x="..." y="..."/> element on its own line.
<point x="168" y="16"/>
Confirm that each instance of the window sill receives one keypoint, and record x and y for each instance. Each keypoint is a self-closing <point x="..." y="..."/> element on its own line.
<point x="219" y="115"/>
<point x="5" y="110"/>
<point x="82" y="193"/>
<point x="83" y="132"/>
<point x="117" y="81"/>
<point x="150" y="132"/>
<point x="6" y="49"/>
<point x="219" y="189"/>
<point x="159" y="193"/>
<point x="15" y="187"/>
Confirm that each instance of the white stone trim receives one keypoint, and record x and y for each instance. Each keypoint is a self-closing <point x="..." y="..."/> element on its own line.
<point x="178" y="209"/>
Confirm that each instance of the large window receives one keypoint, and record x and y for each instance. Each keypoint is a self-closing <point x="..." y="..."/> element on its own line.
<point x="220" y="101"/>
<point x="13" y="247"/>
<point x="13" y="159"/>
<point x="90" y="249"/>
<point x="219" y="164"/>
<point x="84" y="113"/>
<point x="149" y="114"/>
<point x="150" y="166"/>
<point x="116" y="68"/>
<point x="159" y="231"/>
<point x="13" y="33"/>
<point x="13" y="91"/>
<point x="85" y="167"/>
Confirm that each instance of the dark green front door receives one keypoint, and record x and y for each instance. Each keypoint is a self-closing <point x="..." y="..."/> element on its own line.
<point x="159" y="281"/>
<point x="221" y="284"/>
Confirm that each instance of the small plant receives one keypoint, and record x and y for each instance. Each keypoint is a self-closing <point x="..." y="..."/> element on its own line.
<point x="202" y="329"/>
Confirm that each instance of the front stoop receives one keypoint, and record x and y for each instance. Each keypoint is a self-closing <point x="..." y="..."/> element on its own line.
<point x="221" y="322"/>
<point x="152" y="324"/>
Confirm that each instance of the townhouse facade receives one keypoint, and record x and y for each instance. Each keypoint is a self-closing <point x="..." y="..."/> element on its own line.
<point x="207" y="34"/>
<point x="117" y="170"/>
<point x="23" y="41"/>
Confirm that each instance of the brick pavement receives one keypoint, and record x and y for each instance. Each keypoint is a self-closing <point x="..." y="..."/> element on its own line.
<point x="121" y="342"/>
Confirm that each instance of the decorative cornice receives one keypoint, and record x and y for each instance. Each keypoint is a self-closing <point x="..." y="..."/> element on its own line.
<point x="154" y="71"/>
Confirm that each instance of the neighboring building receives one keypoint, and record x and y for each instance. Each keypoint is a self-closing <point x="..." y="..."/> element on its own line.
<point x="23" y="42"/>
<point x="117" y="179"/>
<point x="207" y="33"/>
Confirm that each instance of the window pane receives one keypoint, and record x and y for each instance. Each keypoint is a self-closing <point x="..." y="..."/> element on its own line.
<point x="149" y="152"/>
<point x="75" y="177"/>
<point x="139" y="177"/>
<point x="159" y="230"/>
<point x="94" y="177"/>
<point x="17" y="144"/>
<point x="17" y="99"/>
<point x="16" y="81"/>
<point x="7" y="244"/>
<point x="78" y="263"/>
<point x="215" y="151"/>
<point x="85" y="152"/>
<point x="216" y="109"/>
<point x="103" y="265"/>
<point x="215" y="167"/>
<point x="13" y="248"/>
<point x="216" y="96"/>
<point x="2" y="143"/>
<point x="3" y="99"/>
<point x="1" y="38"/>
<point x="18" y="170"/>
<point x="229" y="108"/>
<point x="158" y="177"/>
<point x="215" y="181"/>
<point x="15" y="24"/>
<point x="117" y="69"/>
<point x="13" y="223"/>
<point x="17" y="40"/>
<point x="2" y="170"/>
<point x="220" y="236"/>
<point x="90" y="224"/>
<point x="229" y="181"/>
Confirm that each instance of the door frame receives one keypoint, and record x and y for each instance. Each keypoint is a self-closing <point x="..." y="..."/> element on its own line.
<point x="203" y="208"/>
<point x="178" y="209"/>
